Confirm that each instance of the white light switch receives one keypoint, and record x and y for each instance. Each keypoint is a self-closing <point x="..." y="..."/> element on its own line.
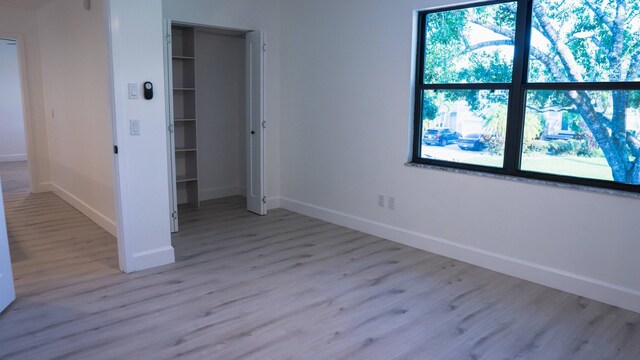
<point x="134" y="92"/>
<point x="135" y="127"/>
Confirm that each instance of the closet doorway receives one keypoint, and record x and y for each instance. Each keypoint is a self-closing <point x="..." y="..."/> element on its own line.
<point x="16" y="166"/>
<point x="216" y="126"/>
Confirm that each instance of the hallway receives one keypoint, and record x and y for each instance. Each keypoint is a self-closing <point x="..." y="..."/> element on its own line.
<point x="53" y="246"/>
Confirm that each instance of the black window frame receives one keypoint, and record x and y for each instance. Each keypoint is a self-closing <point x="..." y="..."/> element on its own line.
<point x="518" y="89"/>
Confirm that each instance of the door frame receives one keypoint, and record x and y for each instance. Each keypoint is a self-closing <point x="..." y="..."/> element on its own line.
<point x="7" y="287"/>
<point x="27" y="121"/>
<point x="168" y="79"/>
<point x="167" y="23"/>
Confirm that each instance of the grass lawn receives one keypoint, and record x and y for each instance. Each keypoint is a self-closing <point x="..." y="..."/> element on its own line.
<point x="592" y="168"/>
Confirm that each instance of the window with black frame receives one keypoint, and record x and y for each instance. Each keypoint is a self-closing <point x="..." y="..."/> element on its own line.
<point x="544" y="89"/>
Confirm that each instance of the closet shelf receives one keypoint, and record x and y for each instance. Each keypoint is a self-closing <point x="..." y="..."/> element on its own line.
<point x="186" y="149"/>
<point x="184" y="89"/>
<point x="183" y="120"/>
<point x="178" y="57"/>
<point x="186" y="178"/>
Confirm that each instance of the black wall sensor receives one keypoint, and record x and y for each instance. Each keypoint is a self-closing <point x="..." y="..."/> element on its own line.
<point x="148" y="90"/>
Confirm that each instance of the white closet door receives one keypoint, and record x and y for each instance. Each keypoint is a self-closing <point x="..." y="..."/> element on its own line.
<point x="256" y="200"/>
<point x="7" y="291"/>
<point x="173" y="191"/>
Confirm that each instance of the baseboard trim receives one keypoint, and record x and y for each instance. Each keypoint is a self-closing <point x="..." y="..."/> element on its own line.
<point x="103" y="221"/>
<point x="13" y="158"/>
<point x="152" y="258"/>
<point x="558" y="279"/>
<point x="273" y="203"/>
<point x="222" y="192"/>
<point x="43" y="187"/>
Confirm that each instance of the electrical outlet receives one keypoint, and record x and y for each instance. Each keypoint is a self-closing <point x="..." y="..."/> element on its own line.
<point x="391" y="204"/>
<point x="381" y="200"/>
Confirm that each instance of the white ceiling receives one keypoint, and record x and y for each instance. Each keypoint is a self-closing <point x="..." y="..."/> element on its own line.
<point x="26" y="4"/>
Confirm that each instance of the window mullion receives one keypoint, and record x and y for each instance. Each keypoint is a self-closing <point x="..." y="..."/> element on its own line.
<point x="419" y="82"/>
<point x="467" y="86"/>
<point x="515" y="121"/>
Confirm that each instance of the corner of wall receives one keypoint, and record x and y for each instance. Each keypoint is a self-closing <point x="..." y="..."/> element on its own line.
<point x="152" y="258"/>
<point x="42" y="187"/>
<point x="274" y="203"/>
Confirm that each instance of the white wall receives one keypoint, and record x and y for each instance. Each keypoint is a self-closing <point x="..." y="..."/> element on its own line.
<point x="246" y="15"/>
<point x="346" y="114"/>
<point x="220" y="97"/>
<point x="74" y="61"/>
<point x="13" y="146"/>
<point x="22" y="24"/>
<point x="136" y="44"/>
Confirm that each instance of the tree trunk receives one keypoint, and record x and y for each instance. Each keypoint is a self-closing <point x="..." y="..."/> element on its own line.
<point x="615" y="150"/>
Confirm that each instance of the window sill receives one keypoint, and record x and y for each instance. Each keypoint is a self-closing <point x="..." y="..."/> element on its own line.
<point x="591" y="189"/>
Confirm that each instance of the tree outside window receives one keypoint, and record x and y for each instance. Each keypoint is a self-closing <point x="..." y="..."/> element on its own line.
<point x="579" y="93"/>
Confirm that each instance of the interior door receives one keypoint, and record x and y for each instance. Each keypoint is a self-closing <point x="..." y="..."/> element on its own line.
<point x="7" y="291"/>
<point x="256" y="124"/>
<point x="173" y="197"/>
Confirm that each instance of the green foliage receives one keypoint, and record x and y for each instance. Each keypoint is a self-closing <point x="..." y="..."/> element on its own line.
<point x="589" y="151"/>
<point x="588" y="38"/>
<point x="487" y="66"/>
<point x="505" y="16"/>
<point x="576" y="123"/>
<point x="495" y="145"/>
<point x="532" y="127"/>
<point x="429" y="108"/>
<point x="449" y="36"/>
<point x="444" y="35"/>
<point x="564" y="147"/>
<point x="580" y="148"/>
<point x="496" y="123"/>
<point x="537" y="146"/>
<point x="634" y="99"/>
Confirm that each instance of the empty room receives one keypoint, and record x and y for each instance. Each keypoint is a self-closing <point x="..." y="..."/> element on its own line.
<point x="334" y="179"/>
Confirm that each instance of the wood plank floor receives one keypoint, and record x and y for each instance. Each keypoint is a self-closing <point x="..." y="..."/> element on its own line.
<point x="284" y="286"/>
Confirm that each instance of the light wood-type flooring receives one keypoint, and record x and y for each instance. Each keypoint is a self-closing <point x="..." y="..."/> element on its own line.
<point x="284" y="286"/>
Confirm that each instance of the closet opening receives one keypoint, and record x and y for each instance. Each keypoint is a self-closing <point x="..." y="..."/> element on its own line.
<point x="216" y="127"/>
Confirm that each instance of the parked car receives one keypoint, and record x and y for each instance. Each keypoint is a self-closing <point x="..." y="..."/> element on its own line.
<point x="562" y="135"/>
<point x="441" y="136"/>
<point x="473" y="142"/>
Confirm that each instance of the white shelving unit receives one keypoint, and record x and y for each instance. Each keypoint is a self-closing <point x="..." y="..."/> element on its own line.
<point x="184" y="113"/>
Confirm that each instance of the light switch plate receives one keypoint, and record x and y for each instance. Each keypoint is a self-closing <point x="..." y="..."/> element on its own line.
<point x="134" y="127"/>
<point x="134" y="92"/>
